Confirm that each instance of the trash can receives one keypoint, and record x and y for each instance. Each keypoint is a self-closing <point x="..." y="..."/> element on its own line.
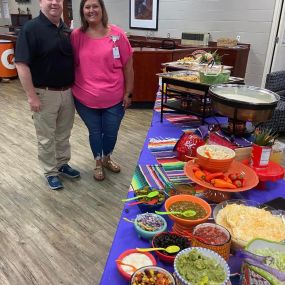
<point x="7" y="57"/>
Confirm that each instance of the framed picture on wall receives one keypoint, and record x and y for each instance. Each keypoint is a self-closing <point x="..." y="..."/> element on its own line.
<point x="144" y="14"/>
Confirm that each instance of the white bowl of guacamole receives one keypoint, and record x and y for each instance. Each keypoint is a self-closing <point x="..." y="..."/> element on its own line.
<point x="201" y="266"/>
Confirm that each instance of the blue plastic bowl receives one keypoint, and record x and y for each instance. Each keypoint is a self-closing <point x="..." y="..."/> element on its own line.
<point x="147" y="208"/>
<point x="147" y="234"/>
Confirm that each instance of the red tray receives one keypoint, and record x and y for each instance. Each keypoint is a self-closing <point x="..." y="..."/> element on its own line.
<point x="250" y="178"/>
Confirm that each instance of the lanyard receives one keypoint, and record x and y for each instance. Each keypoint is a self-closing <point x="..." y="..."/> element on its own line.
<point x="114" y="38"/>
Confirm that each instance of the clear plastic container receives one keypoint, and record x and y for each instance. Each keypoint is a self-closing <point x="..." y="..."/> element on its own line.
<point x="277" y="152"/>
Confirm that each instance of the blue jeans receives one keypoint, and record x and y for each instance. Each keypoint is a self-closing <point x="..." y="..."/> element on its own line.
<point x="103" y="126"/>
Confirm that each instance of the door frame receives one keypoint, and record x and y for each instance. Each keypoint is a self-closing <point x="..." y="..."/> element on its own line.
<point x="65" y="12"/>
<point x="279" y="6"/>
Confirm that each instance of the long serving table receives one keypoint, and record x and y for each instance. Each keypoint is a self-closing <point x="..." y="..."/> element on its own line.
<point x="126" y="238"/>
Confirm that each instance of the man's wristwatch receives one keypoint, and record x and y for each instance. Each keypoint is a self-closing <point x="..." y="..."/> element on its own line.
<point x="130" y="95"/>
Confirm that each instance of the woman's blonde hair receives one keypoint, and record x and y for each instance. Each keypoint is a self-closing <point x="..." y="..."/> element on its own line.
<point x="84" y="23"/>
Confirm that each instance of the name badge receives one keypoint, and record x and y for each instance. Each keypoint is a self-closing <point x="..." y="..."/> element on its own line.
<point x="116" y="53"/>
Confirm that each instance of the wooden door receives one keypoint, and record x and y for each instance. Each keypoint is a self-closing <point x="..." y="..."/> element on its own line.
<point x="67" y="12"/>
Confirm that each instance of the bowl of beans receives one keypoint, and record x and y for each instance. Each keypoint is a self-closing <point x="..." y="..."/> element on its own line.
<point x="182" y="203"/>
<point x="148" y="225"/>
<point x="152" y="275"/>
<point x="214" y="237"/>
<point x="166" y="239"/>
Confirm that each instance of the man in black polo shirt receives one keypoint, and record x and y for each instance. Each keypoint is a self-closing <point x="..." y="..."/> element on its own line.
<point x="45" y="66"/>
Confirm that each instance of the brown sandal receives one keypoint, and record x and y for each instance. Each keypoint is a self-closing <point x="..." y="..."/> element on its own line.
<point x="99" y="173"/>
<point x="111" y="165"/>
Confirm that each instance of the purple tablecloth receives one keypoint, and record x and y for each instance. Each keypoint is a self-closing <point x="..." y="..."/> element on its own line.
<point x="126" y="237"/>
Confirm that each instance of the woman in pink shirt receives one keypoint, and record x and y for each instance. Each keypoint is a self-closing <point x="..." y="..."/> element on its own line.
<point x="103" y="80"/>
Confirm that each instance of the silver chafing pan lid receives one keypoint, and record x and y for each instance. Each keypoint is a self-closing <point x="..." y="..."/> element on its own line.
<point x="248" y="95"/>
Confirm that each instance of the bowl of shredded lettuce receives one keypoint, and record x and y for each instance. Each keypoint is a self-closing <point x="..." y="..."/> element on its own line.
<point x="271" y="249"/>
<point x="201" y="266"/>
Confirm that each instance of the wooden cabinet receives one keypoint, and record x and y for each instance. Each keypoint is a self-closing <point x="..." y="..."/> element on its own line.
<point x="19" y="20"/>
<point x="147" y="63"/>
<point x="148" y="57"/>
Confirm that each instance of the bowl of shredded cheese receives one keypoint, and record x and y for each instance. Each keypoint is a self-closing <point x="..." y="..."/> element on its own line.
<point x="215" y="158"/>
<point x="246" y="220"/>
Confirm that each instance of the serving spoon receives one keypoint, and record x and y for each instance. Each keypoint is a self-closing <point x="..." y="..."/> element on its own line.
<point x="127" y="220"/>
<point x="149" y="195"/>
<point x="190" y="235"/>
<point x="169" y="249"/>
<point x="119" y="261"/>
<point x="151" y="202"/>
<point x="258" y="261"/>
<point x="187" y="213"/>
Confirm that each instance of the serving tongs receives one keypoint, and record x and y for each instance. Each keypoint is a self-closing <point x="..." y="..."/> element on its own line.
<point x="209" y="67"/>
<point x="259" y="261"/>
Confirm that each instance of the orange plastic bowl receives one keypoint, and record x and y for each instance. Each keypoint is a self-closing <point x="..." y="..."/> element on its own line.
<point x="125" y="274"/>
<point x="215" y="164"/>
<point x="188" y="198"/>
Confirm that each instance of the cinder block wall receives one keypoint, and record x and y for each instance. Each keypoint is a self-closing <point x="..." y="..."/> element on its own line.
<point x="251" y="19"/>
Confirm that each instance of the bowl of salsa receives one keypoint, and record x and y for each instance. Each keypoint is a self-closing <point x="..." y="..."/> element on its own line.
<point x="152" y="275"/>
<point x="214" y="237"/>
<point x="181" y="203"/>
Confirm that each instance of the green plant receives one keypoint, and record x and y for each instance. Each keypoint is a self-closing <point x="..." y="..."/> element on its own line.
<point x="217" y="57"/>
<point x="264" y="136"/>
<point x="208" y="57"/>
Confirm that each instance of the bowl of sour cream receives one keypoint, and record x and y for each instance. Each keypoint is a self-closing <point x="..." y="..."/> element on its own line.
<point x="131" y="260"/>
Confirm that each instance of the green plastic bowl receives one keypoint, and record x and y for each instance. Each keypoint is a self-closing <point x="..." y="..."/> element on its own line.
<point x="214" y="77"/>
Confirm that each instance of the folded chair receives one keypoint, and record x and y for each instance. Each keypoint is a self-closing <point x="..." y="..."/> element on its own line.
<point x="275" y="81"/>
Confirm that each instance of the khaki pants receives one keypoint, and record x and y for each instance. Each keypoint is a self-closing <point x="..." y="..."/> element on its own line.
<point x="53" y="127"/>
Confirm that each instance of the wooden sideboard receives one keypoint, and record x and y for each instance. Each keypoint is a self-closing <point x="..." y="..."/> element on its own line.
<point x="12" y="38"/>
<point x="148" y="57"/>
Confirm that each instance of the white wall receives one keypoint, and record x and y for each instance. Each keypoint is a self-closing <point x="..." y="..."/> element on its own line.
<point x="75" y="11"/>
<point x="33" y="5"/>
<point x="251" y="19"/>
<point x="118" y="12"/>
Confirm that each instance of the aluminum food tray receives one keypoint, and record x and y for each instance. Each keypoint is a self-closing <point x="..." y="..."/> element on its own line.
<point x="170" y="75"/>
<point x="192" y="66"/>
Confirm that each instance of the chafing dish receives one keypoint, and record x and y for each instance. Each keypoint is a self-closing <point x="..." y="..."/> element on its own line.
<point x="243" y="102"/>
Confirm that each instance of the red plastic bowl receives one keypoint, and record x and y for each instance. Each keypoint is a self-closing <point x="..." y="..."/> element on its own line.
<point x="163" y="257"/>
<point x="126" y="275"/>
